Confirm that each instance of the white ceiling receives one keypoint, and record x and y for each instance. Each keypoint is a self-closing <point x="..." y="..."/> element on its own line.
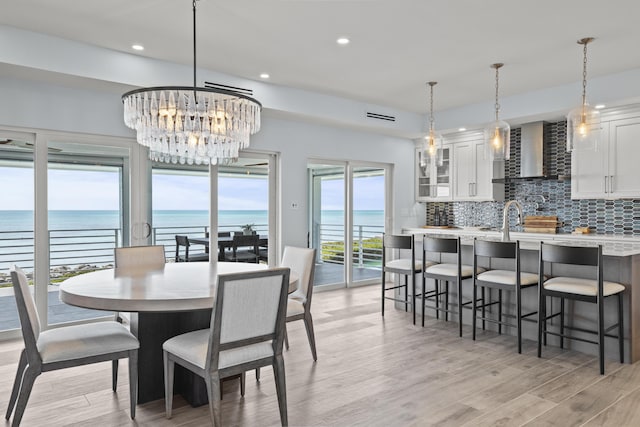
<point x="396" y="45"/>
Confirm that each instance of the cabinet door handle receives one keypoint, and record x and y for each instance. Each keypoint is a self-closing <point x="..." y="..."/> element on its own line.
<point x="470" y="191"/>
<point x="474" y="189"/>
<point x="611" y="184"/>
<point x="606" y="184"/>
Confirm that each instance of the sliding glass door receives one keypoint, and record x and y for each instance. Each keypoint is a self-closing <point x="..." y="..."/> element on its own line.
<point x="348" y="203"/>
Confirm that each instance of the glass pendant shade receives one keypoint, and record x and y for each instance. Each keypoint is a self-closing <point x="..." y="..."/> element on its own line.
<point x="433" y="147"/>
<point x="583" y="128"/>
<point x="497" y="137"/>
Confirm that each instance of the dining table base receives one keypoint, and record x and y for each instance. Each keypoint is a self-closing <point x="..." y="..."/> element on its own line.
<point x="152" y="330"/>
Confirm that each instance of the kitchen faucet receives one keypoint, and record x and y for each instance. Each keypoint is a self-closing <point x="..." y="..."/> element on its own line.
<point x="505" y="218"/>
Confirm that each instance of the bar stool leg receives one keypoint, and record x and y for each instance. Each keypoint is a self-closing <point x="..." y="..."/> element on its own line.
<point x="519" y="317"/>
<point x="620" y="328"/>
<point x="413" y="296"/>
<point x="484" y="307"/>
<point x="542" y="314"/>
<point x="561" y="322"/>
<point x="500" y="311"/>
<point x="446" y="301"/>
<point x="601" y="334"/>
<point x="460" y="307"/>
<point x="473" y="310"/>
<point x="424" y="291"/>
<point x="544" y="337"/>
<point x="406" y="294"/>
<point x="437" y="298"/>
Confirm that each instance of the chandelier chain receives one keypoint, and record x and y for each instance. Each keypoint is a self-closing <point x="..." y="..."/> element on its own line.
<point x="195" y="85"/>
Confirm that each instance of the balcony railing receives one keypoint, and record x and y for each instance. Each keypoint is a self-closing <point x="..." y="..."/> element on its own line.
<point x="73" y="250"/>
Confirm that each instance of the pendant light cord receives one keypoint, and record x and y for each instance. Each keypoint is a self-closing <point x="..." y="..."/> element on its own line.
<point x="584" y="76"/>
<point x="497" y="87"/>
<point x="431" y="120"/>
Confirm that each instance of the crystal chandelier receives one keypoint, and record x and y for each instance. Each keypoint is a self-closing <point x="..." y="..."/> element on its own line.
<point x="497" y="134"/>
<point x="433" y="140"/>
<point x="192" y="125"/>
<point x="583" y="122"/>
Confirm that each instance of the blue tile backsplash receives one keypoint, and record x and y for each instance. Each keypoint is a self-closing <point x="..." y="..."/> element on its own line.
<point x="546" y="197"/>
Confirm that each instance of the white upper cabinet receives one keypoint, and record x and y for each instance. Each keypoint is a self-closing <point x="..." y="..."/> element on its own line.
<point x="473" y="174"/>
<point x="612" y="171"/>
<point x="433" y="181"/>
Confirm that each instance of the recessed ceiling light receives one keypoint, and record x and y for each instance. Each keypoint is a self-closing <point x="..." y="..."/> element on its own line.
<point x="137" y="47"/>
<point x="599" y="106"/>
<point x="343" y="41"/>
<point x="461" y="129"/>
<point x="264" y="76"/>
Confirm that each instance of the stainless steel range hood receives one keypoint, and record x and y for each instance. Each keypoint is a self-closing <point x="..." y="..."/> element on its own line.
<point x="532" y="150"/>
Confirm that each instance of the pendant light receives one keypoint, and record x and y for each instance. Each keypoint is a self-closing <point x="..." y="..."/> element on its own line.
<point x="433" y="140"/>
<point x="497" y="134"/>
<point x="583" y="122"/>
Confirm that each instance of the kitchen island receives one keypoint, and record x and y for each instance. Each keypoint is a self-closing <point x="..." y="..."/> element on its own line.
<point x="621" y="264"/>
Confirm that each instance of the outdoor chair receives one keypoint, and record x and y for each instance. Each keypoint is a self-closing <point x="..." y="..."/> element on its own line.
<point x="183" y="241"/>
<point x="246" y="332"/>
<point x="65" y="347"/>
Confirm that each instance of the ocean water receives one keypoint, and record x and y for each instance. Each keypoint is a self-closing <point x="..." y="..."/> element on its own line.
<point x="16" y="231"/>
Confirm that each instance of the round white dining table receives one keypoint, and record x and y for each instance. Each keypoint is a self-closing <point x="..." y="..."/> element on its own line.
<point x="164" y="303"/>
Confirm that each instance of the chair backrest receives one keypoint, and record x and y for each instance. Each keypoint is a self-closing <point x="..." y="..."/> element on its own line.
<point x="151" y="257"/>
<point x="577" y="255"/>
<point x="447" y="245"/>
<point x="29" y="320"/>
<point x="490" y="249"/>
<point x="182" y="241"/>
<point x="250" y="308"/>
<point x="224" y="234"/>
<point x="397" y="241"/>
<point x="301" y="261"/>
<point x="241" y="240"/>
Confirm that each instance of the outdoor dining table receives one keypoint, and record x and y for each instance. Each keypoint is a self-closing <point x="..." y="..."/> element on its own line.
<point x="164" y="303"/>
<point x="224" y="242"/>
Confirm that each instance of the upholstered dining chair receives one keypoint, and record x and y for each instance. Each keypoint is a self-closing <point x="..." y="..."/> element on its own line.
<point x="142" y="257"/>
<point x="64" y="347"/>
<point x="301" y="261"/>
<point x="246" y="332"/>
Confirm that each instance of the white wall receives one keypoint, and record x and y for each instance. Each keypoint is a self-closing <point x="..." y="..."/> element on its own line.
<point x="36" y="105"/>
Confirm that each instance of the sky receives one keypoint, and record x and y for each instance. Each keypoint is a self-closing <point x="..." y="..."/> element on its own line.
<point x="98" y="190"/>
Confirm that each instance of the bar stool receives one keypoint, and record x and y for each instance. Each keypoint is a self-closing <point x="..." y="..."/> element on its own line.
<point x="446" y="272"/>
<point x="403" y="266"/>
<point x="502" y="280"/>
<point x="588" y="290"/>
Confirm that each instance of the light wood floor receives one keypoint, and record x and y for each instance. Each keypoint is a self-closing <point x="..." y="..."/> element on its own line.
<point x="370" y="372"/>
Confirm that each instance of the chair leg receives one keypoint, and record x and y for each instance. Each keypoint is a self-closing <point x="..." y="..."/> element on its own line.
<point x="258" y="374"/>
<point x="22" y="364"/>
<point x="168" y="384"/>
<point x="406" y="294"/>
<point x="286" y="337"/>
<point x="500" y="311"/>
<point x="213" y="392"/>
<point x="308" y="324"/>
<point x="474" y="297"/>
<point x="281" y="389"/>
<point x="424" y="291"/>
<point x="437" y="298"/>
<point x="460" y="308"/>
<point x="518" y="318"/>
<point x="561" y="322"/>
<point x="601" y="334"/>
<point x="542" y="313"/>
<point x="383" y="287"/>
<point x="484" y="307"/>
<point x="114" y="375"/>
<point x="28" y="379"/>
<point x="446" y="301"/>
<point x="133" y="381"/>
<point x="243" y="378"/>
<point x="620" y="328"/>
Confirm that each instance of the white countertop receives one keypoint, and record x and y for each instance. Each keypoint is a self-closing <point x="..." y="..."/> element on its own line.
<point x="612" y="245"/>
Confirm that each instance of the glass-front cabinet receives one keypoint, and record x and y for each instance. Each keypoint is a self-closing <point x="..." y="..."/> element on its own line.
<point x="433" y="179"/>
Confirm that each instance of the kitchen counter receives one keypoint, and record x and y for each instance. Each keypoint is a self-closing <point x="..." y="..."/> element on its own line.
<point x="612" y="245"/>
<point x="621" y="264"/>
